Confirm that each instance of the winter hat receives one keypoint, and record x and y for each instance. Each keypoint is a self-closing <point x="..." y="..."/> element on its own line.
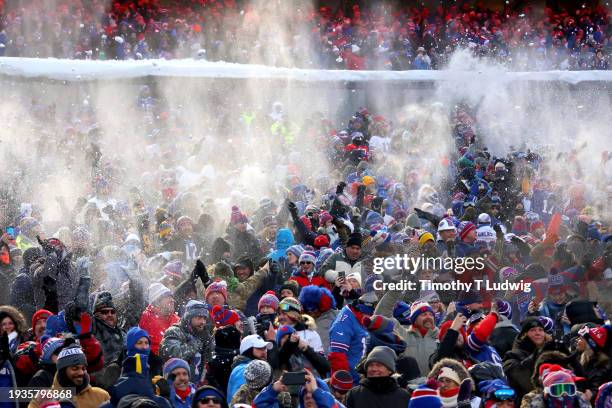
<point x="136" y="401"/>
<point x="508" y="273"/>
<point x="268" y="299"/>
<point x="464" y="229"/>
<point x="308" y="256"/>
<point x="56" y="324"/>
<point x="354" y="239"/>
<point x="40" y="315"/>
<point x="547" y="323"/>
<point x="282" y="332"/>
<point x="555" y="280"/>
<point x="504" y="308"/>
<point x="224" y="317"/>
<point x="291" y="285"/>
<point x="218" y="286"/>
<point x="321" y="241"/>
<point x="425" y="397"/>
<point x="424" y="237"/>
<point x="70" y="356"/>
<point x="341" y="380"/>
<point x="595" y="337"/>
<point x="291" y="306"/>
<point x="551" y="374"/>
<point x="373" y="218"/>
<point x="104" y="300"/>
<point x="222" y="271"/>
<point x="295" y="250"/>
<point x="314" y="297"/>
<point x="529" y="323"/>
<point x="195" y="308"/>
<point x="354" y="275"/>
<point x="378" y="324"/>
<point x="401" y="311"/>
<point x="184" y="220"/>
<point x="172" y="364"/>
<point x="447" y="372"/>
<point x="209" y="391"/>
<point x="173" y="269"/>
<point x="50" y="347"/>
<point x="369" y="282"/>
<point x="132" y="337"/>
<point x="238" y="217"/>
<point x="582" y="311"/>
<point x="366" y="303"/>
<point x="417" y="308"/>
<point x="383" y="355"/>
<point x="324" y="217"/>
<point x="157" y="291"/>
<point x="257" y="374"/>
<point x="468" y="298"/>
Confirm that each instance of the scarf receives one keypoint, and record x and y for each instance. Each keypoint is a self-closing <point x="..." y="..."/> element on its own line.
<point x="183" y="394"/>
<point x="449" y="397"/>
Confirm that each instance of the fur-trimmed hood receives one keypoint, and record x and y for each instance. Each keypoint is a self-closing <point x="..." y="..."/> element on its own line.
<point x="20" y="323"/>
<point x="455" y="365"/>
<point x="550" y="357"/>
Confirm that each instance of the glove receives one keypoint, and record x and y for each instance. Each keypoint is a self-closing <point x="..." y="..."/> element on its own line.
<point x="82" y="266"/>
<point x="465" y="394"/>
<point x="293" y="209"/>
<point x="199" y="271"/>
<point x="162" y="387"/>
<point x="83" y="326"/>
<point x="340" y="188"/>
<point x="274" y="268"/>
<point x="48" y="249"/>
<point x="498" y="232"/>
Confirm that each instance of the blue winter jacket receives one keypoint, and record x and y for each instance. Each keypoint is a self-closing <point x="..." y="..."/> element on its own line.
<point x="284" y="239"/>
<point x="236" y="378"/>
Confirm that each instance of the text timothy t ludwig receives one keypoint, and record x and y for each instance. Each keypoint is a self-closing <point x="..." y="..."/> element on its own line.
<point x="476" y="284"/>
<point x="413" y="264"/>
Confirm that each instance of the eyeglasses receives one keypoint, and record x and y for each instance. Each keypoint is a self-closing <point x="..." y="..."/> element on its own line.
<point x="208" y="400"/>
<point x="107" y="312"/>
<point x="504" y="394"/>
<point x="558" y="390"/>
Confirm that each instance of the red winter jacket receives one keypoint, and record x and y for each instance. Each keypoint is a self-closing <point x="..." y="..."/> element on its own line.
<point x="303" y="280"/>
<point x="156" y="324"/>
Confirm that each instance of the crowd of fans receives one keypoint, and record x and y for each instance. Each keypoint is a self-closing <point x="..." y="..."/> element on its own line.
<point x="135" y="301"/>
<point x="376" y="38"/>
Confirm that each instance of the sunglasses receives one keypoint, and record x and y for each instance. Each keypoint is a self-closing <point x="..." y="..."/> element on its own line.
<point x="107" y="312"/>
<point x="558" y="390"/>
<point x="208" y="400"/>
<point x="504" y="394"/>
<point x="305" y="263"/>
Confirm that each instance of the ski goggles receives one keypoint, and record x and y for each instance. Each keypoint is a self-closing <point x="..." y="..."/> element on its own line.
<point x="288" y="307"/>
<point x="558" y="390"/>
<point x="504" y="394"/>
